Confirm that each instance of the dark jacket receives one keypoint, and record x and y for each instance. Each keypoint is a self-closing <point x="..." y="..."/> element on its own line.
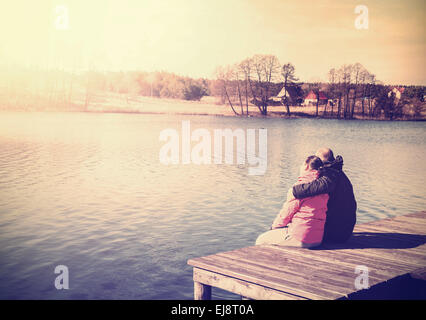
<point x="341" y="206"/>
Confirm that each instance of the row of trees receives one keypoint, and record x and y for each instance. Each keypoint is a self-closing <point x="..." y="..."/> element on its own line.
<point x="43" y="89"/>
<point x="349" y="83"/>
<point x="355" y="90"/>
<point x="254" y="80"/>
<point x="351" y="89"/>
<point x="154" y="84"/>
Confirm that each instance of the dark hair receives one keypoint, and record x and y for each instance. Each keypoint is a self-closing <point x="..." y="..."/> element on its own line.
<point x="314" y="162"/>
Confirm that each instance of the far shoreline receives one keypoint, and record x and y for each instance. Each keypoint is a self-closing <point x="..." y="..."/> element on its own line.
<point x="269" y="116"/>
<point x="259" y="116"/>
<point x="208" y="106"/>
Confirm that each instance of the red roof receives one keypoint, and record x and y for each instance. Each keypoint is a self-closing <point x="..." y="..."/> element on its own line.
<point x="400" y="89"/>
<point x="313" y="96"/>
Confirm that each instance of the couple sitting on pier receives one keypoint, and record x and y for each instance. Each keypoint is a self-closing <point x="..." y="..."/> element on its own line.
<point x="320" y="207"/>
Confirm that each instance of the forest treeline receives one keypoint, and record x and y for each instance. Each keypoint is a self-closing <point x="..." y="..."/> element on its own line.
<point x="351" y="90"/>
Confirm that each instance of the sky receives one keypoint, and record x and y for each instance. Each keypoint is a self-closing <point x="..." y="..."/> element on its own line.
<point x="193" y="37"/>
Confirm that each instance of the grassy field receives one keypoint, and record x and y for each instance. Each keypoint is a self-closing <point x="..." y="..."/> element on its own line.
<point x="112" y="102"/>
<point x="79" y="101"/>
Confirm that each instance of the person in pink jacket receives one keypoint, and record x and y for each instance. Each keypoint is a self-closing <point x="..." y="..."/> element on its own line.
<point x="300" y="222"/>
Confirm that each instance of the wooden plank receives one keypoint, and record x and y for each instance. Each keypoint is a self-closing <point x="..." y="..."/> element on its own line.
<point x="417" y="220"/>
<point x="356" y="257"/>
<point x="240" y="287"/>
<point x="264" y="279"/>
<point x="329" y="278"/>
<point x="385" y="229"/>
<point x="380" y="271"/>
<point x="419" y="274"/>
<point x="406" y="221"/>
<point x="292" y="261"/>
<point x="389" y="248"/>
<point x="418" y="214"/>
<point x="411" y="218"/>
<point x="417" y="217"/>
<point x="396" y="226"/>
<point x="402" y="258"/>
<point x="202" y="291"/>
<point x="302" y="284"/>
<point x="407" y="258"/>
<point x="291" y="271"/>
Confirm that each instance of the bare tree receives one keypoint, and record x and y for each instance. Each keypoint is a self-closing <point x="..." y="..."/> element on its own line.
<point x="347" y="84"/>
<point x="355" y="74"/>
<point x="359" y="74"/>
<point x="364" y="79"/>
<point x="332" y="88"/>
<point x="237" y="74"/>
<point x="224" y="75"/>
<point x="346" y="71"/>
<point x="266" y="72"/>
<point x="246" y="68"/>
<point x="252" y="77"/>
<point x="371" y="85"/>
<point x="339" y="91"/>
<point x="288" y="73"/>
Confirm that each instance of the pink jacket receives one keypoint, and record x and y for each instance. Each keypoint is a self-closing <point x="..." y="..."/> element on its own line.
<point x="307" y="216"/>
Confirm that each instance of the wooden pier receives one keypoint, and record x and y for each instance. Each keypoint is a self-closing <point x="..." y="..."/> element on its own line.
<point x="387" y="248"/>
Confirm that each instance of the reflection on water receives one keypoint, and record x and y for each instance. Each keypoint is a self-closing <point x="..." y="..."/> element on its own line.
<point x="88" y="191"/>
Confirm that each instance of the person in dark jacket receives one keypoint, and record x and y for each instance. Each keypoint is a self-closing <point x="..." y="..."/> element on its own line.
<point x="341" y="206"/>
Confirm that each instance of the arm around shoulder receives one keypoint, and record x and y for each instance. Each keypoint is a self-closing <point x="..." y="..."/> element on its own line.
<point x="324" y="184"/>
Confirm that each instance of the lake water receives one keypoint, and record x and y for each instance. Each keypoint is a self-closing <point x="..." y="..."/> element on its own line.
<point x="88" y="191"/>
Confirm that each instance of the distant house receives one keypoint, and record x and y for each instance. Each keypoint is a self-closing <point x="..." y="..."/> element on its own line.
<point x="292" y="93"/>
<point x="311" y="98"/>
<point x="397" y="91"/>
